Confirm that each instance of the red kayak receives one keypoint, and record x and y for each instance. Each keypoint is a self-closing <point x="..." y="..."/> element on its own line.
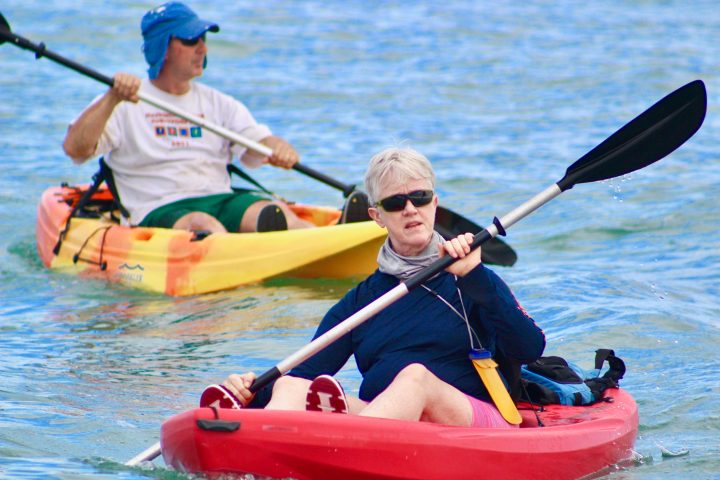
<point x="574" y="442"/>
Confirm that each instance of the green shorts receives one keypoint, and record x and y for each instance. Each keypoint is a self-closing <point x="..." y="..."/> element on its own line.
<point x="228" y="208"/>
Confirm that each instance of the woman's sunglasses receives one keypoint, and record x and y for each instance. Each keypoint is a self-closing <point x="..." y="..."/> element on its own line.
<point x="193" y="41"/>
<point x="396" y="203"/>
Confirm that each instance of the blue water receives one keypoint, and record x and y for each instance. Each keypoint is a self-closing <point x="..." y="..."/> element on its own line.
<point x="502" y="96"/>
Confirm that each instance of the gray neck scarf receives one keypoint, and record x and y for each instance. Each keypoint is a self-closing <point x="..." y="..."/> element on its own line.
<point x="403" y="267"/>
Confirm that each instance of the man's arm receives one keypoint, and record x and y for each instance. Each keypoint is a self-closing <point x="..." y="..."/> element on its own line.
<point x="83" y="135"/>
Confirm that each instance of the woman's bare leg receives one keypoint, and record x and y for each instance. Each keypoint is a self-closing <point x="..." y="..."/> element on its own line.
<point x="417" y="394"/>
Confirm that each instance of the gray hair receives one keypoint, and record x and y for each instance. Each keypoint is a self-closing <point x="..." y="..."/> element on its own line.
<point x="396" y="164"/>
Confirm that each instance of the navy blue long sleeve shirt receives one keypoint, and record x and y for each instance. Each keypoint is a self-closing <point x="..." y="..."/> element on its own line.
<point x="420" y="328"/>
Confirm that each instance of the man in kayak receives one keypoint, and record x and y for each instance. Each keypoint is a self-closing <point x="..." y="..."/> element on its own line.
<point x="169" y="172"/>
<point x="413" y="355"/>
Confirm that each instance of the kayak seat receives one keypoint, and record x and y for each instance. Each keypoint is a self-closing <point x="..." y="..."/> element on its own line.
<point x="355" y="208"/>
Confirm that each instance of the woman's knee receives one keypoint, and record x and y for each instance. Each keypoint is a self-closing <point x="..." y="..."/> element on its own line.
<point x="288" y="394"/>
<point x="414" y="373"/>
<point x="291" y="387"/>
<point x="287" y="382"/>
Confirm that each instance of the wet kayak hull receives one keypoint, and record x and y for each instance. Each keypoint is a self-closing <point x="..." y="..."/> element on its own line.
<point x="176" y="263"/>
<point x="575" y="441"/>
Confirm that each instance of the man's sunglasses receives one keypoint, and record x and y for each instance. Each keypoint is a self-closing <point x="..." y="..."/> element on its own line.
<point x="397" y="202"/>
<point x="193" y="41"/>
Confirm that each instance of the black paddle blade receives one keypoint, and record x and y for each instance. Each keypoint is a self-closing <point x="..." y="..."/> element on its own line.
<point x="651" y="136"/>
<point x="4" y="29"/>
<point x="494" y="252"/>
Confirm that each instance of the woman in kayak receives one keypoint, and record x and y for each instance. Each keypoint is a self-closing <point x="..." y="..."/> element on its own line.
<point x="413" y="355"/>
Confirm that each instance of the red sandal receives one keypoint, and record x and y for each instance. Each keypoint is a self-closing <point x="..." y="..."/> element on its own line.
<point x="219" y="397"/>
<point x="325" y="394"/>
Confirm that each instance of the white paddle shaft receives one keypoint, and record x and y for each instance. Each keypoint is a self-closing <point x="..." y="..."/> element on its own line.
<point x="223" y="132"/>
<point x="342" y="328"/>
<point x="520" y="212"/>
<point x="148" y="454"/>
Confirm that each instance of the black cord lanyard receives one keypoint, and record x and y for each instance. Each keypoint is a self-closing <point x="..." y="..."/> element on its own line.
<point x="463" y="316"/>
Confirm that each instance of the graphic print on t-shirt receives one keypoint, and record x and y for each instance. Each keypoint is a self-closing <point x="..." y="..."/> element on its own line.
<point x="176" y="130"/>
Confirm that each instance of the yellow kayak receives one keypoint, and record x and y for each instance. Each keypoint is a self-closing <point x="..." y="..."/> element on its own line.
<point x="176" y="262"/>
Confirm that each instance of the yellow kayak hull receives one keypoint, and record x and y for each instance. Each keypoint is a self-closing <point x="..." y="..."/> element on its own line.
<point x="175" y="263"/>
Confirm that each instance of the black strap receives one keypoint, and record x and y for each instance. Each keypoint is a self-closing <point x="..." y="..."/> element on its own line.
<point x="611" y="378"/>
<point x="97" y="180"/>
<point x="617" y="366"/>
<point x="107" y="175"/>
<point x="537" y="394"/>
<point x="104" y="174"/>
<point x="234" y="169"/>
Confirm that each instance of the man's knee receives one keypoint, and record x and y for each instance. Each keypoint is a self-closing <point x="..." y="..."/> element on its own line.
<point x="199" y="221"/>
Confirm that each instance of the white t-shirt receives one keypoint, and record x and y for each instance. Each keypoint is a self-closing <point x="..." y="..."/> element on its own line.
<point x="158" y="158"/>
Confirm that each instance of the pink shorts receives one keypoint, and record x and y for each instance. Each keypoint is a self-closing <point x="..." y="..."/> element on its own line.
<point x="485" y="415"/>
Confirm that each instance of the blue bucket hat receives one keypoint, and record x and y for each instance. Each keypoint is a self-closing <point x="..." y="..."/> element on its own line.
<point x="159" y="25"/>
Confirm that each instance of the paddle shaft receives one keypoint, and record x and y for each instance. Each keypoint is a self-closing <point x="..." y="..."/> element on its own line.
<point x="41" y="51"/>
<point x="312" y="173"/>
<point x="646" y="139"/>
<point x="147" y="455"/>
